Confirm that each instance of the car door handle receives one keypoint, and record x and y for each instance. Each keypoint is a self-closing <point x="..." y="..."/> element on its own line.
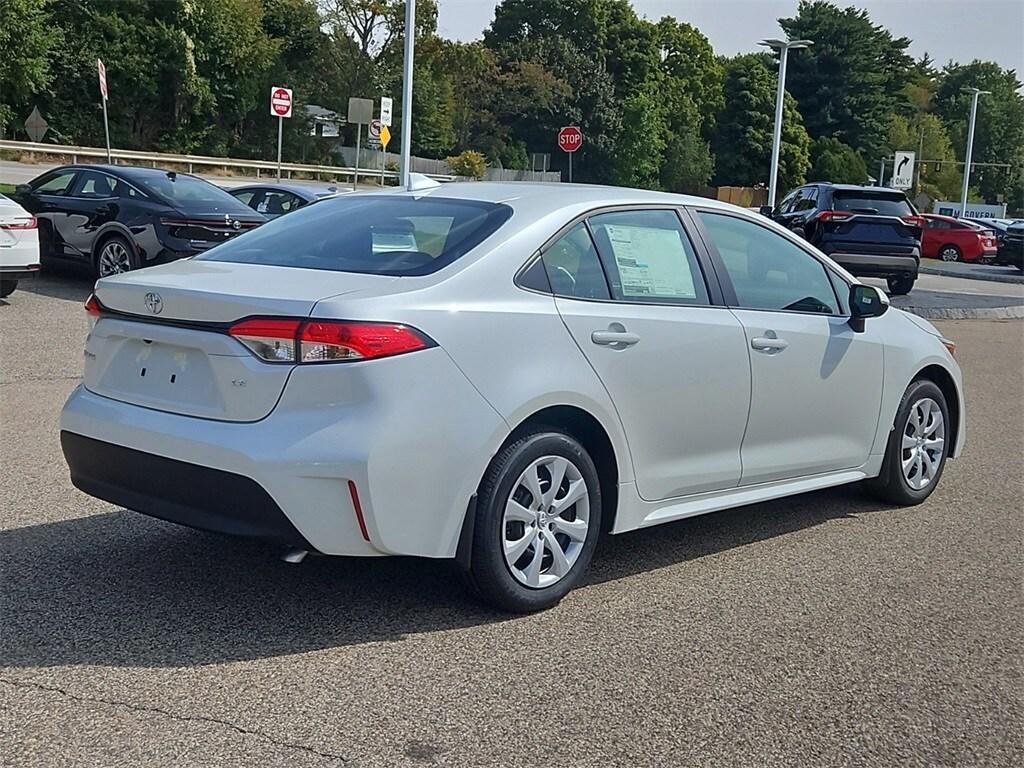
<point x="765" y="344"/>
<point x="614" y="338"/>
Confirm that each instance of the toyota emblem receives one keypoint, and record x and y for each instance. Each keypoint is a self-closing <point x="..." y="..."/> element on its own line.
<point x="236" y="224"/>
<point x="154" y="303"/>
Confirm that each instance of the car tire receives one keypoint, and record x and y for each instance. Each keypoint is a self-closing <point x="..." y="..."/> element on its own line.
<point x="921" y="419"/>
<point x="7" y="288"/>
<point x="512" y="562"/>
<point x="900" y="286"/>
<point x="950" y="253"/>
<point x="113" y="255"/>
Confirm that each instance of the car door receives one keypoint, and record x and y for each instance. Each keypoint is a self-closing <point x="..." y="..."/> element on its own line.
<point x="932" y="236"/>
<point x="91" y="203"/>
<point x="632" y="292"/>
<point x="46" y="202"/>
<point x="816" y="384"/>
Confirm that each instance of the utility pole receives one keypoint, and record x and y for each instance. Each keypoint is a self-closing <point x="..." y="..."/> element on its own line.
<point x="975" y="93"/>
<point x="410" y="43"/>
<point x="782" y="46"/>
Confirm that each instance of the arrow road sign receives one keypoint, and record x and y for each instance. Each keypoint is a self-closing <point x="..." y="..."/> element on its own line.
<point x="903" y="170"/>
<point x="373" y="131"/>
<point x="386" y="108"/>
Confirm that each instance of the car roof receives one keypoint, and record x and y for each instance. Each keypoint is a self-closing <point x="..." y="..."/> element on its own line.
<point x="856" y="187"/>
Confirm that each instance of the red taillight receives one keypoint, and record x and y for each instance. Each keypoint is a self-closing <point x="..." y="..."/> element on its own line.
<point x="269" y="339"/>
<point x="29" y="223"/>
<point x="328" y="341"/>
<point x="325" y="341"/>
<point x="917" y="221"/>
<point x="93" y="306"/>
<point x="834" y="215"/>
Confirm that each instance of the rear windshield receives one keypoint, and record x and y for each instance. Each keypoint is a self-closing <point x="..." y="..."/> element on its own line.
<point x="881" y="203"/>
<point x="371" y="234"/>
<point x="187" y="193"/>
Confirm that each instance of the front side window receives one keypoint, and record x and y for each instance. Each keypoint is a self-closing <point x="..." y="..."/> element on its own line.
<point x="649" y="257"/>
<point x="768" y="271"/>
<point x="57" y="184"/>
<point x="370" y="234"/>
<point x="573" y="266"/>
<point x="807" y="200"/>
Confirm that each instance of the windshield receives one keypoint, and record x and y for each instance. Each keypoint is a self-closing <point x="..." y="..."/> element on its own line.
<point x="371" y="234"/>
<point x="187" y="193"/>
<point x="881" y="203"/>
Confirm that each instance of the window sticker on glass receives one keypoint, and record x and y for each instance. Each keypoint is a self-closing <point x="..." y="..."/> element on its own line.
<point x="651" y="262"/>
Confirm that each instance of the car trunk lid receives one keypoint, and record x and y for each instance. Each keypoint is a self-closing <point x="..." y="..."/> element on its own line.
<point x="162" y="339"/>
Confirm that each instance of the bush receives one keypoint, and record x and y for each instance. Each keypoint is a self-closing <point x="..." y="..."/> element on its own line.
<point x="837" y="162"/>
<point x="470" y="163"/>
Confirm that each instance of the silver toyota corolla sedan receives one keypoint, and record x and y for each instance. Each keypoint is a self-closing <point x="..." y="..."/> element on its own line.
<point x="498" y="373"/>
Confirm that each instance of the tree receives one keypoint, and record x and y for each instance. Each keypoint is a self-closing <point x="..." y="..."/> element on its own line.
<point x="743" y="139"/>
<point x="999" y="129"/>
<point x="846" y="83"/>
<point x="28" y="42"/>
<point x="925" y="134"/>
<point x="837" y="162"/>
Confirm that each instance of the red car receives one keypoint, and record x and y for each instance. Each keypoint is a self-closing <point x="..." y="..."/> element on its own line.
<point x="949" y="239"/>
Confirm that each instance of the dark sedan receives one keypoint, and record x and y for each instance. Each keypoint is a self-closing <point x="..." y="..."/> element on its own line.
<point x="117" y="218"/>
<point x="273" y="200"/>
<point x="1011" y="247"/>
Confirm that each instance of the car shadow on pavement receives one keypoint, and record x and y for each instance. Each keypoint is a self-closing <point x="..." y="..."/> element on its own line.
<point x="63" y="282"/>
<point x="121" y="589"/>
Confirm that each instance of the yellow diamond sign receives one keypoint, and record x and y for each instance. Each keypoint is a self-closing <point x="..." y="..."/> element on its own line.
<point x="385" y="136"/>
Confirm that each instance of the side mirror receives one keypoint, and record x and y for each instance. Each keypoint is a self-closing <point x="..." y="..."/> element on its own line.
<point x="866" y="301"/>
<point x="766" y="210"/>
<point x="23" y="189"/>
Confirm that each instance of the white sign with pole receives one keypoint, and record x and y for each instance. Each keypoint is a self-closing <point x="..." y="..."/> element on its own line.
<point x="386" y="110"/>
<point x="902" y="170"/>
<point x="280" y="107"/>
<point x="102" y="72"/>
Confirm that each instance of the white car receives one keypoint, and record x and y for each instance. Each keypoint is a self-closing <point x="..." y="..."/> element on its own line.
<point x="544" y="363"/>
<point x="19" y="245"/>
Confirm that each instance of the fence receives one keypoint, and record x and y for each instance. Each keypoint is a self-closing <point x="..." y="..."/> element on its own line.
<point x="371" y="158"/>
<point x="191" y="161"/>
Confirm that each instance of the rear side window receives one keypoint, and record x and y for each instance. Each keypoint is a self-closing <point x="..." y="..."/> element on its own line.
<point x="370" y="234"/>
<point x="573" y="266"/>
<point x="879" y="203"/>
<point x="649" y="257"/>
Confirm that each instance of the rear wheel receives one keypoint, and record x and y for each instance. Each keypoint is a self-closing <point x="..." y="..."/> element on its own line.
<point x="537" y="522"/>
<point x="918" y="445"/>
<point x="949" y="253"/>
<point x="115" y="255"/>
<point x="900" y="286"/>
<point x="7" y="288"/>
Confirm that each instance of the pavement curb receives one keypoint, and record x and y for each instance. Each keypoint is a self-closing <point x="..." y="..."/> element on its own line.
<point x="995" y="278"/>
<point x="968" y="313"/>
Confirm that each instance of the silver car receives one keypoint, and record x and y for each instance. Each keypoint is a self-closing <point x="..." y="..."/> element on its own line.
<point x="498" y="373"/>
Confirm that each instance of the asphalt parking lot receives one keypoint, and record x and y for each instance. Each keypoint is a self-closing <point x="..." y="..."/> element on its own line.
<point x="825" y="629"/>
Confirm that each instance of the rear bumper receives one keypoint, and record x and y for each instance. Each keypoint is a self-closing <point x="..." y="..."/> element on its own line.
<point x="19" y="273"/>
<point x="176" y="491"/>
<point x="877" y="265"/>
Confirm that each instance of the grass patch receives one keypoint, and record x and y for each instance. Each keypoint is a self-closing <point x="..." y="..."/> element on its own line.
<point x="6" y="188"/>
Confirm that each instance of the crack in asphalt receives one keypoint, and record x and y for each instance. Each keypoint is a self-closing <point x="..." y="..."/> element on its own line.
<point x="30" y="685"/>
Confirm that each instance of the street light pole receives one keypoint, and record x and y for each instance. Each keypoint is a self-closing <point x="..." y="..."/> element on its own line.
<point x="410" y="42"/>
<point x="782" y="46"/>
<point x="975" y="93"/>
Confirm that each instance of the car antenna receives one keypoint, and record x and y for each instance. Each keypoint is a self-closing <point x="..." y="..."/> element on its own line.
<point x="172" y="175"/>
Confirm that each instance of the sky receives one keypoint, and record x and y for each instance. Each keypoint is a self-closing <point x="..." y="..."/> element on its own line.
<point x="960" y="31"/>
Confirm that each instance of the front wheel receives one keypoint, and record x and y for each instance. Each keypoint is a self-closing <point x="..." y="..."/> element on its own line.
<point x="900" y="286"/>
<point x="537" y="522"/>
<point x="918" y="445"/>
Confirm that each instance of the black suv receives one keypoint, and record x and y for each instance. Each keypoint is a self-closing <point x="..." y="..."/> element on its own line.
<point x="116" y="218"/>
<point x="871" y="231"/>
<point x="1011" y="247"/>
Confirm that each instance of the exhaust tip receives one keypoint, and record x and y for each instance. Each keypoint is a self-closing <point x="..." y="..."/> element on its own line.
<point x="294" y="555"/>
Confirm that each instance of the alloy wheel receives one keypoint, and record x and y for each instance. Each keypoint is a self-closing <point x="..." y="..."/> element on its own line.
<point x="950" y="254"/>
<point x="545" y="523"/>
<point x="114" y="259"/>
<point x="923" y="446"/>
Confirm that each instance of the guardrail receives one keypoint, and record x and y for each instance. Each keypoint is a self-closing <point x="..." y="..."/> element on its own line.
<point x="160" y="158"/>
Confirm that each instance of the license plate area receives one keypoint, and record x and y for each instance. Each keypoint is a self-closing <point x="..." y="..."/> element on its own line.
<point x="144" y="370"/>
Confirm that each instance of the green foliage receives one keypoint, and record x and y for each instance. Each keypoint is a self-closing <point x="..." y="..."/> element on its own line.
<point x="999" y="130"/>
<point x="469" y="163"/>
<point x="837" y="162"/>
<point x="847" y="83"/>
<point x="743" y="141"/>
<point x="28" y="41"/>
<point x="925" y="133"/>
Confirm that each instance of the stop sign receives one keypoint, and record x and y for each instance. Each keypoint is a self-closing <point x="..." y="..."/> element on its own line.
<point x="281" y="102"/>
<point x="570" y="139"/>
